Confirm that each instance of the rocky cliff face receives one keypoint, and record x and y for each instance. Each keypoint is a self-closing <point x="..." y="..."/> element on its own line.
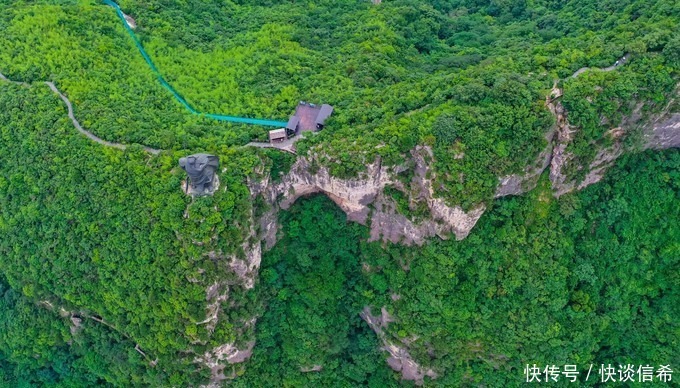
<point x="364" y="200"/>
<point x="399" y="358"/>
<point x="660" y="131"/>
<point x="216" y="358"/>
<point x="516" y="184"/>
<point x="388" y="224"/>
<point x="663" y="132"/>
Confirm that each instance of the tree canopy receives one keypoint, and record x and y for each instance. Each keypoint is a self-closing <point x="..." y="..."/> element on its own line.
<point x="106" y="266"/>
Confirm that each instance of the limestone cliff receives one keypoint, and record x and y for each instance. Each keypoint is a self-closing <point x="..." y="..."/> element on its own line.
<point x="663" y="132"/>
<point x="399" y="358"/>
<point x="660" y="131"/>
<point x="364" y="199"/>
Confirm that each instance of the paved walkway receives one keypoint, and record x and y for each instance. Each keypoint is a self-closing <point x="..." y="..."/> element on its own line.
<point x="618" y="63"/>
<point x="286" y="145"/>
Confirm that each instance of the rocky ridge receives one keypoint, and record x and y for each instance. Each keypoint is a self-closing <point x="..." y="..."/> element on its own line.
<point x="359" y="198"/>
<point x="660" y="131"/>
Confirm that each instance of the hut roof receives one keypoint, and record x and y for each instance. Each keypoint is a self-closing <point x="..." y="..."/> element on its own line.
<point x="277" y="134"/>
<point x="309" y="117"/>
<point x="323" y="114"/>
<point x="293" y="122"/>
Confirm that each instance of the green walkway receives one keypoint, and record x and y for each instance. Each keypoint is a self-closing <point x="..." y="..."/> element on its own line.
<point x="178" y="97"/>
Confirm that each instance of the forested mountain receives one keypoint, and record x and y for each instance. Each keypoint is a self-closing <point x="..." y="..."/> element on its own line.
<point x="111" y="275"/>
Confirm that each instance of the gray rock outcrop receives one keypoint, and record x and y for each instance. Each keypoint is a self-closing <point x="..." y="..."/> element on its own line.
<point x="399" y="358"/>
<point x="663" y="133"/>
<point x="362" y="200"/>
<point x="660" y="131"/>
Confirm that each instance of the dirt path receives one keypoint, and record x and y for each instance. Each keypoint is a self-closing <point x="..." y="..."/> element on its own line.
<point x="75" y="122"/>
<point x="285" y="146"/>
<point x="2" y="77"/>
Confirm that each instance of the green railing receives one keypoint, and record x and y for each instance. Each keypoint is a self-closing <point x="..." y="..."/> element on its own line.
<point x="178" y="97"/>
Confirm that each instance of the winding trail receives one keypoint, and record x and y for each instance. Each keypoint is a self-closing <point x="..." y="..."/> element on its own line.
<point x="75" y="122"/>
<point x="87" y="133"/>
<point x="2" y="77"/>
<point x="284" y="146"/>
<point x="618" y="63"/>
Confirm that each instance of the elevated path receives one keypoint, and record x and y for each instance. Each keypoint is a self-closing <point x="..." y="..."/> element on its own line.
<point x="175" y="93"/>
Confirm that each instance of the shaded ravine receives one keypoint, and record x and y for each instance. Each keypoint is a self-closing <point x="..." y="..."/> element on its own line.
<point x="75" y="122"/>
<point x="175" y="93"/>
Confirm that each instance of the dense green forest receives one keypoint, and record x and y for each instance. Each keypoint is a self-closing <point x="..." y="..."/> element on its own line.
<point x="591" y="278"/>
<point x="104" y="262"/>
<point x="465" y="76"/>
